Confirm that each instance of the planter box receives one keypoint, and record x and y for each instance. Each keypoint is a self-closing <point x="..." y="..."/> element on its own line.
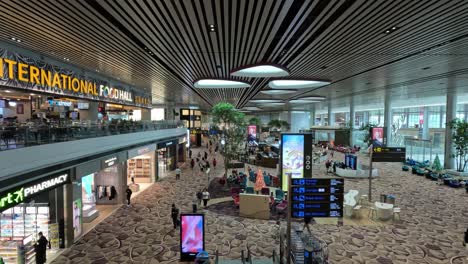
<point x="457" y="173"/>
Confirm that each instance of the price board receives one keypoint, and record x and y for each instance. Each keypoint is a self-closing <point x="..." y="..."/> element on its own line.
<point x="317" y="198"/>
<point x="388" y="154"/>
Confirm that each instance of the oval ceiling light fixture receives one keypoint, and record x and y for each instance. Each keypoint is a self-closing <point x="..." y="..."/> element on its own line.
<point x="297" y="83"/>
<point x="261" y="70"/>
<point x="265" y="101"/>
<point x="301" y="101"/>
<point x="272" y="104"/>
<point x="314" y="98"/>
<point x="219" y="83"/>
<point x="251" y="108"/>
<point x="278" y="91"/>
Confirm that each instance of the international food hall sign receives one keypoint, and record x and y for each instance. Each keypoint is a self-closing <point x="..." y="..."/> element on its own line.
<point x="22" y="193"/>
<point x="22" y="72"/>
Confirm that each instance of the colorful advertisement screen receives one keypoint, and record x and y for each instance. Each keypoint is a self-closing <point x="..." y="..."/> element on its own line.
<point x="252" y="135"/>
<point x="192" y="235"/>
<point x="377" y="134"/>
<point x="292" y="158"/>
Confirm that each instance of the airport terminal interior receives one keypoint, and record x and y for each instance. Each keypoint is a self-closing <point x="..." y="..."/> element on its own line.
<point x="234" y="131"/>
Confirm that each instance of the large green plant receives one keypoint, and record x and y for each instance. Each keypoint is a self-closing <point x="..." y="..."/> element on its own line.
<point x="459" y="130"/>
<point x="367" y="136"/>
<point x="255" y="121"/>
<point x="233" y="128"/>
<point x="279" y="124"/>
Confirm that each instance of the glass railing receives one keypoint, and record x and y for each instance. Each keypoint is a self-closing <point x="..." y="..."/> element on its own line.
<point x="13" y="136"/>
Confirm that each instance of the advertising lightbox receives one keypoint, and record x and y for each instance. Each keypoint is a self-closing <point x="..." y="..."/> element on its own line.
<point x="296" y="157"/>
<point x="192" y="235"/>
<point x="252" y="135"/>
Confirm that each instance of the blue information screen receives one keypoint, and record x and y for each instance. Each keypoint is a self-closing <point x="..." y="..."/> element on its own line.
<point x="317" y="198"/>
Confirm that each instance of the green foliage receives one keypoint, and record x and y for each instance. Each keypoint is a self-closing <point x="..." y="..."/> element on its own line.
<point x="459" y="129"/>
<point x="367" y="136"/>
<point x="233" y="128"/>
<point x="279" y="124"/>
<point x="255" y="121"/>
<point x="436" y="164"/>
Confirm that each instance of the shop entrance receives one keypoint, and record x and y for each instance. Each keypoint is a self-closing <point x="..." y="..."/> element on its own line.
<point x="166" y="160"/>
<point x="100" y="196"/>
<point x="141" y="172"/>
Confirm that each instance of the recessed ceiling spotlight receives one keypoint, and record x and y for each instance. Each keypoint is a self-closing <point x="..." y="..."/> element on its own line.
<point x="31" y="94"/>
<point x="7" y="91"/>
<point x="390" y="30"/>
<point x="278" y="91"/>
<point x="261" y="70"/>
<point x="296" y="84"/>
<point x="14" y="39"/>
<point x="212" y="27"/>
<point x="219" y="83"/>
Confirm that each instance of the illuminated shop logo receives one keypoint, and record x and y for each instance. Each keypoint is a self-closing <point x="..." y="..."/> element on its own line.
<point x="114" y="93"/>
<point x="16" y="197"/>
<point x="59" y="103"/>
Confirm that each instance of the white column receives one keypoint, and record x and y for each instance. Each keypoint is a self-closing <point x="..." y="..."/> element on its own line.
<point x="352" y="121"/>
<point x="312" y="117"/>
<point x="331" y="117"/>
<point x="425" y="127"/>
<point x="451" y="113"/>
<point x="388" y="117"/>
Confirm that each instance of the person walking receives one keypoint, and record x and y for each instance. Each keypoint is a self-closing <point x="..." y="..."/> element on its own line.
<point x="190" y="153"/>
<point x="214" y="163"/>
<point x="199" y="155"/>
<point x="206" y="197"/>
<point x="129" y="195"/>
<point x="175" y="216"/>
<point x="192" y="163"/>
<point x="177" y="173"/>
<point x="199" y="196"/>
<point x="206" y="155"/>
<point x="40" y="248"/>
<point x="194" y="206"/>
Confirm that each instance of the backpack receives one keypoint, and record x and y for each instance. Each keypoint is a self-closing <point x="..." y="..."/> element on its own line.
<point x="199" y="195"/>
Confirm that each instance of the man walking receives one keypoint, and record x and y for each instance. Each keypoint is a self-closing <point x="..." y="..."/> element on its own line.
<point x="129" y="195"/>
<point x="177" y="173"/>
<point x="175" y="216"/>
<point x="40" y="248"/>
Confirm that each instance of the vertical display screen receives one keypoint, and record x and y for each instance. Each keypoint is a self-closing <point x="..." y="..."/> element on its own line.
<point x="292" y="158"/>
<point x="252" y="135"/>
<point x="192" y="235"/>
<point x="377" y="136"/>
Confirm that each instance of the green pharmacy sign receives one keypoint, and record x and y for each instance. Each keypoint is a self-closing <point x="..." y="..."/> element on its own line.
<point x="18" y="195"/>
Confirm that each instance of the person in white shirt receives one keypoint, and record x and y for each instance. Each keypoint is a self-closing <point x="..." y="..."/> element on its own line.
<point x="177" y="173"/>
<point x="205" y="197"/>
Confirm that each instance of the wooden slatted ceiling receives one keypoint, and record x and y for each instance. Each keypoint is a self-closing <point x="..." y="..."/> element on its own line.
<point x="346" y="36"/>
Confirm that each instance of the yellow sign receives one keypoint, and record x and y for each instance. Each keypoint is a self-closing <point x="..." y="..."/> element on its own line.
<point x="32" y="74"/>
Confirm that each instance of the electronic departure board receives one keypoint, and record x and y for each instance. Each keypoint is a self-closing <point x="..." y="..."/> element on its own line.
<point x="317" y="198"/>
<point x="387" y="154"/>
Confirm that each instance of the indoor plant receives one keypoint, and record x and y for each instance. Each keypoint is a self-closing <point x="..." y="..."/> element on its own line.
<point x="459" y="129"/>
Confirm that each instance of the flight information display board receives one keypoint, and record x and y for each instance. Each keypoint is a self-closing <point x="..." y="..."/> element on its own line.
<point x="388" y="154"/>
<point x="317" y="198"/>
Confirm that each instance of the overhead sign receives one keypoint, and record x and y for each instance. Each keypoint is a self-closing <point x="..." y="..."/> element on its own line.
<point x="21" y="72"/>
<point x="296" y="157"/>
<point x="167" y="143"/>
<point x="388" y="154"/>
<point x="141" y="150"/>
<point x="20" y="194"/>
<point x="317" y="198"/>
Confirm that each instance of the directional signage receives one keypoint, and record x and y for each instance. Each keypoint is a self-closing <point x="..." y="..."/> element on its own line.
<point x="317" y="198"/>
<point x="388" y="154"/>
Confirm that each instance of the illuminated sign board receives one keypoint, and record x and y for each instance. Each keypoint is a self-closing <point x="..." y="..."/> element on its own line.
<point x="296" y="157"/>
<point x="109" y="162"/>
<point x="252" y="135"/>
<point x="21" y="72"/>
<point x="388" y="154"/>
<point x="20" y="194"/>
<point x="317" y="198"/>
<point x="192" y="235"/>
<point x="142" y="150"/>
<point x="59" y="103"/>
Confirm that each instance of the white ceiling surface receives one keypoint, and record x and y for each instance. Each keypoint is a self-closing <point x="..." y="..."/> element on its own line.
<point x="339" y="40"/>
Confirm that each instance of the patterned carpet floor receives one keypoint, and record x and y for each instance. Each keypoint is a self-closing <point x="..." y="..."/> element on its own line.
<point x="433" y="220"/>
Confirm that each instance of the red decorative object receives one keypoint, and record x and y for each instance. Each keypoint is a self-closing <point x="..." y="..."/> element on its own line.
<point x="259" y="182"/>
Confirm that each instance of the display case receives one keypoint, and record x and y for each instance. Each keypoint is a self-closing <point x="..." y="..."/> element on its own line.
<point x="18" y="251"/>
<point x="139" y="167"/>
<point x="23" y="220"/>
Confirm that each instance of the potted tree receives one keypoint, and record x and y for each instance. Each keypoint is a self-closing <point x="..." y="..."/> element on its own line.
<point x="459" y="129"/>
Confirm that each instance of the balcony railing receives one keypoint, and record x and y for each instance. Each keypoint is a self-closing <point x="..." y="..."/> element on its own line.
<point x="14" y="136"/>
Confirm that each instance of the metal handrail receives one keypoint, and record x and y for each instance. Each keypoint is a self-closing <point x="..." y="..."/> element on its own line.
<point x="14" y="136"/>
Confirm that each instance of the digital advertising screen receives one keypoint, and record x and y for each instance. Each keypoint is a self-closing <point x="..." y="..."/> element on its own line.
<point x="192" y="235"/>
<point x="292" y="156"/>
<point x="377" y="134"/>
<point x="252" y="135"/>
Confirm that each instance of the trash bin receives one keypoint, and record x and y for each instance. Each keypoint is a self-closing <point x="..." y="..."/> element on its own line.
<point x="383" y="198"/>
<point x="202" y="258"/>
<point x="390" y="199"/>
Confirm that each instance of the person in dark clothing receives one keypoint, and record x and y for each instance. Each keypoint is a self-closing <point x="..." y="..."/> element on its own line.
<point x="40" y="249"/>
<point x="190" y="153"/>
<point x="206" y="155"/>
<point x="192" y="164"/>
<point x="175" y="216"/>
<point x="199" y="197"/>
<point x="129" y="195"/>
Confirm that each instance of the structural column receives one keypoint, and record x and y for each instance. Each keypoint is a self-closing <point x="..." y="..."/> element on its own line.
<point x="388" y="117"/>
<point x="352" y="120"/>
<point x="425" y="134"/>
<point x="90" y="114"/>
<point x="331" y="117"/>
<point x="451" y="113"/>
<point x="145" y="114"/>
<point x="312" y="117"/>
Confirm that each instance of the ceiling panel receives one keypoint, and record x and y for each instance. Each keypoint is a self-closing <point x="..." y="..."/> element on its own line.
<point x="165" y="46"/>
